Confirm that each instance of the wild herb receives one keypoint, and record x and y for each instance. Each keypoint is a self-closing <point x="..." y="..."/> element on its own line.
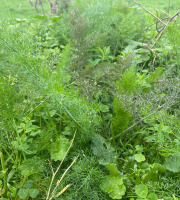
<point x="89" y="101"/>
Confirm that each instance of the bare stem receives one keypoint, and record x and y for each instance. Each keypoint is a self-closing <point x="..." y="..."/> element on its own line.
<point x="149" y="12"/>
<point x="59" y="181"/>
<point x="54" y="173"/>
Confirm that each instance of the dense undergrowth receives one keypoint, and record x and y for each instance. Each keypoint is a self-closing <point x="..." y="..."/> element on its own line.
<point x="87" y="111"/>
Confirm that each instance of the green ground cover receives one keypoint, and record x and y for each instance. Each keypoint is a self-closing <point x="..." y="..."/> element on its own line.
<point x="89" y="102"/>
<point x="19" y="9"/>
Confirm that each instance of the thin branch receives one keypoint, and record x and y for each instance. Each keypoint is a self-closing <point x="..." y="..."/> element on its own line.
<point x="163" y="28"/>
<point x="165" y="18"/>
<point x="54" y="174"/>
<point x="63" y="190"/>
<point x="149" y="12"/>
<point x="59" y="181"/>
<point x="150" y="49"/>
<point x="162" y="11"/>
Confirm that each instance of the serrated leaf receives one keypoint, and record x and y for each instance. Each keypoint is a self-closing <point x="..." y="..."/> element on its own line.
<point x="103" y="150"/>
<point x="141" y="190"/>
<point x="113" y="185"/>
<point x="173" y="162"/>
<point x="139" y="157"/>
<point x="23" y="193"/>
<point x="59" y="148"/>
<point x="33" y="193"/>
<point x="152" y="196"/>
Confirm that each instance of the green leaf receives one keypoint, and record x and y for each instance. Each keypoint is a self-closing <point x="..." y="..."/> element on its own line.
<point x="152" y="196"/>
<point x="173" y="162"/>
<point x="59" y="148"/>
<point x="139" y="148"/>
<point x="140" y="199"/>
<point x="28" y="184"/>
<point x="95" y="62"/>
<point x="112" y="168"/>
<point x="113" y="185"/>
<point x="141" y="190"/>
<point x="23" y="193"/>
<point x="11" y="174"/>
<point x="40" y="17"/>
<point x="33" y="193"/>
<point x="32" y="166"/>
<point x="55" y="18"/>
<point x="139" y="157"/>
<point x="155" y="75"/>
<point x="103" y="150"/>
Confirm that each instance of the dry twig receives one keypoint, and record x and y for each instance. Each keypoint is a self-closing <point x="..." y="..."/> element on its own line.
<point x="149" y="12"/>
<point x="150" y="49"/>
<point x="50" y="196"/>
<point x="164" y="27"/>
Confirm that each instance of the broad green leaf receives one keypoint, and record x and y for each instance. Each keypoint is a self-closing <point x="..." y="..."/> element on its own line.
<point x="155" y="75"/>
<point x="103" y="150"/>
<point x="139" y="157"/>
<point x="112" y="168"/>
<point x="32" y="166"/>
<point x="139" y="148"/>
<point x="40" y="17"/>
<point x="28" y="184"/>
<point x="59" y="148"/>
<point x="173" y="162"/>
<point x="23" y="193"/>
<point x="113" y="185"/>
<point x="165" y="154"/>
<point x="141" y="190"/>
<point x="33" y="193"/>
<point x="21" y="147"/>
<point x="104" y="108"/>
<point x="55" y="18"/>
<point x="152" y="196"/>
